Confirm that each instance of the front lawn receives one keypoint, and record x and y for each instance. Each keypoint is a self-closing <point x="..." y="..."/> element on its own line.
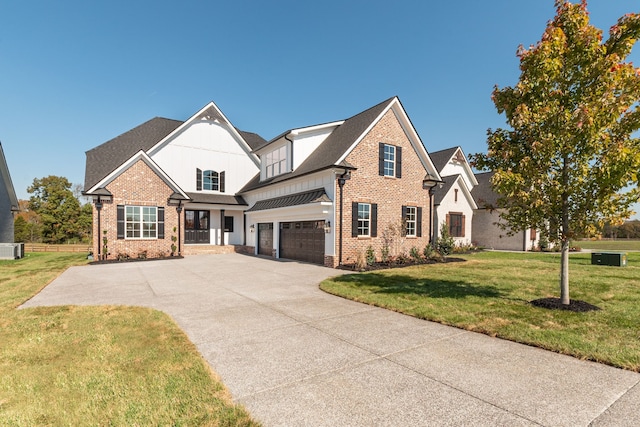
<point x="116" y="366"/>
<point x="490" y="292"/>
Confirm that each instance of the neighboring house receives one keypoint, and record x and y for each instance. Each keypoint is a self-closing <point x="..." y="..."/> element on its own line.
<point x="486" y="232"/>
<point x="321" y="194"/>
<point x="8" y="207"/>
<point x="454" y="204"/>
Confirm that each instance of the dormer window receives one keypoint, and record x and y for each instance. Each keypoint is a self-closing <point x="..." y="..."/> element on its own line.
<point x="209" y="180"/>
<point x="275" y="162"/>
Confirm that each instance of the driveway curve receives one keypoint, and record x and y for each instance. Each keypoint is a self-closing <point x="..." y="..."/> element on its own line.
<point x="295" y="356"/>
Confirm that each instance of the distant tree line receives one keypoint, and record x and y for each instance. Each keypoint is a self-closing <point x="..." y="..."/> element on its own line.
<point x="627" y="230"/>
<point x="53" y="214"/>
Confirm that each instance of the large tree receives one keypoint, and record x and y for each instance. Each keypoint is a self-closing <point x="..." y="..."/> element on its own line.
<point x="569" y="161"/>
<point x="57" y="207"/>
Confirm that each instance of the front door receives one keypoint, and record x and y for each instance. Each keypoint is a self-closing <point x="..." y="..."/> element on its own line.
<point x="196" y="226"/>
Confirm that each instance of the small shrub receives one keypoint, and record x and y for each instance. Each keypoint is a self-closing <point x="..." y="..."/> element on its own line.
<point x="402" y="258"/>
<point x="445" y="243"/>
<point x="428" y="252"/>
<point x="142" y="255"/>
<point x="384" y="252"/>
<point x="361" y="261"/>
<point x="415" y="254"/>
<point x="371" y="256"/>
<point x="122" y="256"/>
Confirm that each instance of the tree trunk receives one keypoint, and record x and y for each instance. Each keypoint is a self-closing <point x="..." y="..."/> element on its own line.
<point x="564" y="261"/>
<point x="564" y="273"/>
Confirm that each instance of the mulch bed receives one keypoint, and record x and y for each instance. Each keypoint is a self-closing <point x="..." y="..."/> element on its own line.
<point x="119" y="261"/>
<point x="556" y="304"/>
<point x="390" y="265"/>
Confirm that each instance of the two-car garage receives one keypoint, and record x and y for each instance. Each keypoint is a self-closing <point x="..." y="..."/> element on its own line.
<point x="299" y="240"/>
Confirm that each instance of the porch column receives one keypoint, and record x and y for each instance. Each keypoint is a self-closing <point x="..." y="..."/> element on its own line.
<point x="221" y="227"/>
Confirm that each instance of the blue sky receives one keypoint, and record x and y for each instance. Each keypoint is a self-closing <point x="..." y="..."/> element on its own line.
<point x="74" y="74"/>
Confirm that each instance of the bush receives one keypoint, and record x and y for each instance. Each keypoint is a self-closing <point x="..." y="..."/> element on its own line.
<point x="415" y="254"/>
<point x="445" y="243"/>
<point x="371" y="256"/>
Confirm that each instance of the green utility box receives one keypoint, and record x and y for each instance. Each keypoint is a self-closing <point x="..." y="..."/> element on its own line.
<point x="617" y="259"/>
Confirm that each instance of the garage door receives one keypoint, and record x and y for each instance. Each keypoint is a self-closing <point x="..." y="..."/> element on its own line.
<point x="302" y="241"/>
<point x="265" y="239"/>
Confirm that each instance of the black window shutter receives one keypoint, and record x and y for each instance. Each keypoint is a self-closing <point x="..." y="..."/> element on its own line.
<point x="198" y="180"/>
<point x="221" y="178"/>
<point x="354" y="219"/>
<point x="403" y="231"/>
<point x="381" y="159"/>
<point x="374" y="220"/>
<point x="419" y="222"/>
<point x="120" y="218"/>
<point x="160" y="222"/>
<point x="398" y="162"/>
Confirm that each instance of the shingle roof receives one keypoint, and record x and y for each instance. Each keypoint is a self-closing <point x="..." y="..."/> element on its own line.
<point x="253" y="139"/>
<point x="331" y="149"/>
<point x="105" y="158"/>
<point x="440" y="192"/>
<point x="313" y="196"/>
<point x="482" y="193"/>
<point x="441" y="158"/>
<point x="216" y="199"/>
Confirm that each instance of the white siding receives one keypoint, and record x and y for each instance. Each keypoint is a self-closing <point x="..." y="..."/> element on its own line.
<point x="449" y="204"/>
<point x="488" y="235"/>
<point x="306" y="143"/>
<point x="206" y="145"/>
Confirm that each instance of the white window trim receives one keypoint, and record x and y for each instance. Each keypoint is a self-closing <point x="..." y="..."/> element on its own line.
<point x="141" y="222"/>
<point x="412" y="211"/>
<point x="214" y="180"/>
<point x="277" y="167"/>
<point x="389" y="161"/>
<point x="366" y="221"/>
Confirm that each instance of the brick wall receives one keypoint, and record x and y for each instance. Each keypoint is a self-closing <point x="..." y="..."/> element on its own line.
<point x="390" y="194"/>
<point x="139" y="186"/>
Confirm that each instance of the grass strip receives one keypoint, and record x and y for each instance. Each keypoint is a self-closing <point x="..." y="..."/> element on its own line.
<point x="112" y="366"/>
<point x="490" y="293"/>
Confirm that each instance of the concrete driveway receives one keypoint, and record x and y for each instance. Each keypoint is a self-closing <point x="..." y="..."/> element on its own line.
<point x="296" y="356"/>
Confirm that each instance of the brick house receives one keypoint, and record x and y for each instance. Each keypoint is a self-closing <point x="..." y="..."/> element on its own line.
<point x="321" y="194"/>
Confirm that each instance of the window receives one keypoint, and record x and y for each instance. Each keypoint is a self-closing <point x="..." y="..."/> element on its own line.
<point x="390" y="160"/>
<point x="141" y="222"/>
<point x="456" y="224"/>
<point x="410" y="221"/>
<point x="364" y="219"/>
<point x="228" y="224"/>
<point x="276" y="162"/>
<point x="209" y="180"/>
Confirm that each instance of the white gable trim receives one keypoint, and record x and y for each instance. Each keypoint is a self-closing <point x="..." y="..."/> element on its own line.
<point x="465" y="190"/>
<point x="209" y="112"/>
<point x="140" y="155"/>
<point x="409" y="130"/>
<point x="467" y="168"/>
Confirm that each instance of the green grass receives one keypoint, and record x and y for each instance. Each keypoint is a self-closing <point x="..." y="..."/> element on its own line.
<point x="609" y="245"/>
<point x="490" y="292"/>
<point x="102" y="366"/>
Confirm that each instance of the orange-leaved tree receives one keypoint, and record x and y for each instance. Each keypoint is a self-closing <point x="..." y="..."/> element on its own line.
<point x="569" y="160"/>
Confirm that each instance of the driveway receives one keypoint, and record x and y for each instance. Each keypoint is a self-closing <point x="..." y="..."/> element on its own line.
<point x="296" y="356"/>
